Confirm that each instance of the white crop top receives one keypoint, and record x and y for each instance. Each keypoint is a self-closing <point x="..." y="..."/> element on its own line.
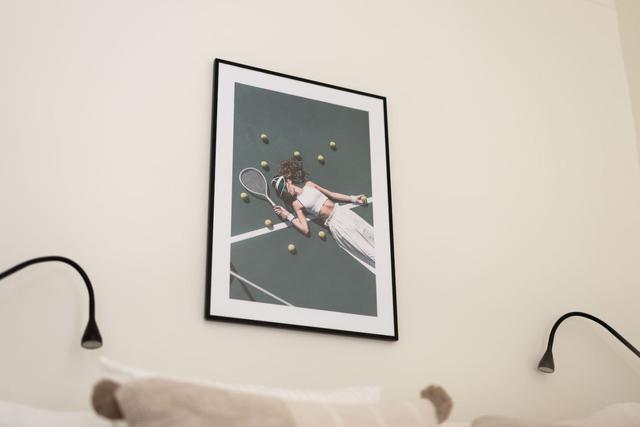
<point x="312" y="200"/>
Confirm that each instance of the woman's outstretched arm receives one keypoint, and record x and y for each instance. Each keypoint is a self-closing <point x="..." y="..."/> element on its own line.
<point x="339" y="197"/>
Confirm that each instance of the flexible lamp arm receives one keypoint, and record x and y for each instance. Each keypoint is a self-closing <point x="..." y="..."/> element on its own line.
<point x="91" y="338"/>
<point x="546" y="363"/>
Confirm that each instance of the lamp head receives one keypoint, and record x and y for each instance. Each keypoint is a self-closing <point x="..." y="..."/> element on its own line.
<point x="546" y="364"/>
<point x="91" y="339"/>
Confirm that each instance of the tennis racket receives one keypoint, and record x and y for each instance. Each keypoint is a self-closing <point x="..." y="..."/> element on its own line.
<point x="255" y="183"/>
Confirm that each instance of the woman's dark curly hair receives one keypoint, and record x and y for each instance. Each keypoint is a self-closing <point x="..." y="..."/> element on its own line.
<point x="294" y="170"/>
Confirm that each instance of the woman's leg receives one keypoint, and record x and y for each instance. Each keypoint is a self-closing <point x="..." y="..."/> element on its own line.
<point x="353" y="234"/>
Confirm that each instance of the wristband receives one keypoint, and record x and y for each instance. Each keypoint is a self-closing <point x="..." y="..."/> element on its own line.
<point x="290" y="217"/>
<point x="354" y="199"/>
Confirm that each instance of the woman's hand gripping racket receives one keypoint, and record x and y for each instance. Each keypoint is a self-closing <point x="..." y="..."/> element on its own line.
<point x="255" y="183"/>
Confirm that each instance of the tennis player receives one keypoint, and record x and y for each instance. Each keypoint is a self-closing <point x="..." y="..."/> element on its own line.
<point x="352" y="233"/>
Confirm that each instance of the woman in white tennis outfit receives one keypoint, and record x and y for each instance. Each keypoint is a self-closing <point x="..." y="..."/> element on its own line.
<point x="352" y="233"/>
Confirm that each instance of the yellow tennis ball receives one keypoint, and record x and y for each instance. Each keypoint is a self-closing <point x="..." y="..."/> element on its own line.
<point x="264" y="138"/>
<point x="291" y="248"/>
<point x="268" y="222"/>
<point x="264" y="164"/>
<point x="320" y="158"/>
<point x="244" y="196"/>
<point x="322" y="234"/>
<point x="332" y="145"/>
<point x="296" y="154"/>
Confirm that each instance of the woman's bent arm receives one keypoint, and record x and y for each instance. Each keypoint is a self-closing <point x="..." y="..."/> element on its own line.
<point x="300" y="221"/>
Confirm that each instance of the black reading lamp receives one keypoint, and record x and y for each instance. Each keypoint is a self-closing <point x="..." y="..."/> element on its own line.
<point x="91" y="338"/>
<point x="546" y="364"/>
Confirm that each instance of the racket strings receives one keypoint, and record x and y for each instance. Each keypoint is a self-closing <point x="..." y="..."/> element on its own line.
<point x="254" y="181"/>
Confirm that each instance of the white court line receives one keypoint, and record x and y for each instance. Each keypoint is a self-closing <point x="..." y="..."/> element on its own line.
<point x="259" y="232"/>
<point x="239" y="277"/>
<point x="266" y="230"/>
<point x="367" y="266"/>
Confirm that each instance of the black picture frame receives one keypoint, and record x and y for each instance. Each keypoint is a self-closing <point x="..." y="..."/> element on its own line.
<point x="215" y="143"/>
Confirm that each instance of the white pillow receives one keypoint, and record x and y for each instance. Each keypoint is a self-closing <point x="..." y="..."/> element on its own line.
<point x="353" y="395"/>
<point x="16" y="415"/>
<point x="616" y="415"/>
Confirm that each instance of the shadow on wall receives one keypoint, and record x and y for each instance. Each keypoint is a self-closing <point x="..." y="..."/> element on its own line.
<point x="629" y="30"/>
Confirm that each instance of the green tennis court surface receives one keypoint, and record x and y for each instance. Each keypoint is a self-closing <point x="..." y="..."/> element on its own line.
<point x="320" y="274"/>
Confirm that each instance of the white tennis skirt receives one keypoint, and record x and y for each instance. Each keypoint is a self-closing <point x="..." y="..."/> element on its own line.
<point x="353" y="234"/>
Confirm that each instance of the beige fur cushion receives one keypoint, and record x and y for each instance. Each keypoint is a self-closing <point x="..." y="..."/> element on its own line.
<point x="165" y="403"/>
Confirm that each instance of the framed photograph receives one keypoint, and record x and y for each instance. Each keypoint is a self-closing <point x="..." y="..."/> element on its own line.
<point x="300" y="228"/>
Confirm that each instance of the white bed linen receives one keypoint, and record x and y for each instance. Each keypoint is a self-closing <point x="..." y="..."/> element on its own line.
<point x="17" y="415"/>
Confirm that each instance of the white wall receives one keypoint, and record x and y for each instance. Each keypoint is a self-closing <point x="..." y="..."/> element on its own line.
<point x="515" y="180"/>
